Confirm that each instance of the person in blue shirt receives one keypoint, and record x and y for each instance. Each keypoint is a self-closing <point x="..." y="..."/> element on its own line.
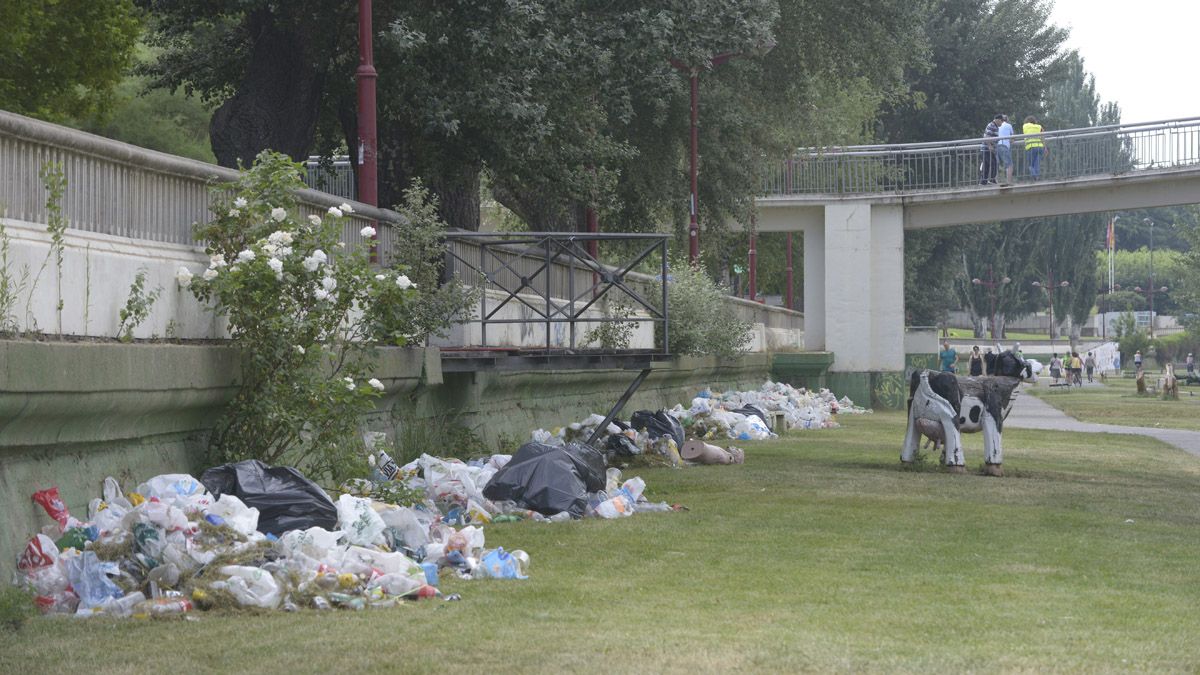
<point x="948" y="357"/>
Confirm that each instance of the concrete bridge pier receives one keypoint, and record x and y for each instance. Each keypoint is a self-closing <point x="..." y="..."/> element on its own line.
<point x="853" y="293"/>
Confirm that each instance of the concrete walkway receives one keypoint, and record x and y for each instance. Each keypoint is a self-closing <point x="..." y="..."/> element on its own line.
<point x="1030" y="412"/>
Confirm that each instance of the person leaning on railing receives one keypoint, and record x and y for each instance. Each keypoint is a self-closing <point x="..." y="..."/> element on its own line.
<point x="1034" y="146"/>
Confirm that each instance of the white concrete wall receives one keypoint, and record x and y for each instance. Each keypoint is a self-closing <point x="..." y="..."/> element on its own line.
<point x="97" y="272"/>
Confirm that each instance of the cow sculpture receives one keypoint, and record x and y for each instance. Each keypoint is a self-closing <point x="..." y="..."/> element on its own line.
<point x="952" y="404"/>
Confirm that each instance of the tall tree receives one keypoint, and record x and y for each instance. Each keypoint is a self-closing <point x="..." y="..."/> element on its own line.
<point x="986" y="57"/>
<point x="63" y="58"/>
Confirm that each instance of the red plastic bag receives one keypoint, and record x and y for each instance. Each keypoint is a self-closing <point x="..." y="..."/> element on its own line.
<point x="40" y="552"/>
<point x="54" y="505"/>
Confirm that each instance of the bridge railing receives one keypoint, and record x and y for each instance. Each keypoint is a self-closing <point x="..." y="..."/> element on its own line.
<point x="911" y="167"/>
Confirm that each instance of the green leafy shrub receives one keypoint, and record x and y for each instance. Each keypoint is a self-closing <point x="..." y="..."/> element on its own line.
<point x="137" y="306"/>
<point x="612" y="334"/>
<point x="701" y="322"/>
<point x="420" y="253"/>
<point x="305" y="313"/>
<point x="1130" y="338"/>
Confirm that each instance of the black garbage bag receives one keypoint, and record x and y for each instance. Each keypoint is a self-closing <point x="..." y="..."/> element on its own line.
<point x="658" y="424"/>
<point x="549" y="479"/>
<point x="285" y="499"/>
<point x="748" y="410"/>
<point x="620" y="445"/>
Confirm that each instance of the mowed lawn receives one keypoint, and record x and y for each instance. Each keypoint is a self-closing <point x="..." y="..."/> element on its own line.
<point x="1117" y="402"/>
<point x="819" y="554"/>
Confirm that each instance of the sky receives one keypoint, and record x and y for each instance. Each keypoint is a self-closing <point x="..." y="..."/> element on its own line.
<point x="1143" y="53"/>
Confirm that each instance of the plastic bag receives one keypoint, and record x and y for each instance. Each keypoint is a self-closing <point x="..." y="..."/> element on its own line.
<point x="407" y="526"/>
<point x="235" y="513"/>
<point x="89" y="579"/>
<point x="499" y="564"/>
<point x="285" y="499"/>
<point x="358" y="520"/>
<point x="177" y="489"/>
<point x="658" y="424"/>
<point x="250" y="585"/>
<point x="750" y="429"/>
<point x="398" y="584"/>
<point x="549" y="479"/>
<point x="54" y="506"/>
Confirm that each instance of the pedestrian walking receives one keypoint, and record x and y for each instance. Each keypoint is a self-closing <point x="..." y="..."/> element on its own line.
<point x="976" y="362"/>
<point x="1137" y="361"/>
<point x="1090" y="364"/>
<point x="1076" y="369"/>
<point x="1055" y="367"/>
<point x="1191" y="364"/>
<point x="948" y="358"/>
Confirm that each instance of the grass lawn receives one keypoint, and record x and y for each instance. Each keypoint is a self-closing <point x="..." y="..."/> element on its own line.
<point x="968" y="334"/>
<point x="819" y="554"/>
<point x="1117" y="402"/>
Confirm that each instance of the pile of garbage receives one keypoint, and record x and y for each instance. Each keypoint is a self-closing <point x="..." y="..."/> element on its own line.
<point x="250" y="535"/>
<point x="736" y="415"/>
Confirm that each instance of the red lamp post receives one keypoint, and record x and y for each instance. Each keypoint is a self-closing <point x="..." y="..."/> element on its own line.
<point x="365" y="76"/>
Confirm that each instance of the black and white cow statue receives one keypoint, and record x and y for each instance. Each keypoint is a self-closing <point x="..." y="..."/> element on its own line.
<point x="952" y="404"/>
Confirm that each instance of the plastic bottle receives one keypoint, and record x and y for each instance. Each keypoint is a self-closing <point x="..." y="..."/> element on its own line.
<point x="124" y="606"/>
<point x="165" y="607"/>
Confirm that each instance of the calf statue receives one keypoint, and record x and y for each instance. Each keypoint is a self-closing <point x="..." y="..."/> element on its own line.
<point x="950" y="404"/>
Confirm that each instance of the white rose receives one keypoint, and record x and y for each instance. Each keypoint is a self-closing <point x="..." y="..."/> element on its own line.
<point x="240" y="202"/>
<point x="234" y="213"/>
<point x="321" y="294"/>
<point x="184" y="277"/>
<point x="375" y="384"/>
<point x="329" y="284"/>
<point x="380" y="277"/>
<point x="216" y="261"/>
<point x="299" y="349"/>
<point x="280" y="237"/>
<point x="246" y="256"/>
<point x="335" y="212"/>
<point x="341" y="244"/>
<point x="278" y="214"/>
<point x="210" y="274"/>
<point x="319" y="255"/>
<point x="270" y="248"/>
<point x="349" y="382"/>
<point x="311" y="264"/>
<point x="276" y="265"/>
<point x="315" y="220"/>
<point x="367" y="231"/>
<point x="404" y="282"/>
<point x="346" y="208"/>
<point x="285" y="251"/>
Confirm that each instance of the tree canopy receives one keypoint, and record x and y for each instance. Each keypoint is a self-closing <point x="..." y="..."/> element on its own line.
<point x="64" y="57"/>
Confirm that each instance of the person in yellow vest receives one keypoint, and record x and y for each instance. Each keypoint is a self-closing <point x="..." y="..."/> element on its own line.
<point x="1034" y="146"/>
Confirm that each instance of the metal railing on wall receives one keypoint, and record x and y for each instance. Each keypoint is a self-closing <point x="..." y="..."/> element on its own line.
<point x="913" y="167"/>
<point x="554" y="277"/>
<point x="123" y="190"/>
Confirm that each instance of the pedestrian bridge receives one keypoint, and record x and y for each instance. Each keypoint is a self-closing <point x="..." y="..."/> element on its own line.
<point x="854" y="203"/>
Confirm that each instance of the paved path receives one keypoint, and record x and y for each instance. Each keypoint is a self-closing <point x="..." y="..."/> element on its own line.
<point x="1031" y="412"/>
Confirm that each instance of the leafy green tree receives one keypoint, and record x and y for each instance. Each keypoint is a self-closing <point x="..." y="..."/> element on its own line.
<point x="986" y="57"/>
<point x="560" y="105"/>
<point x="64" y="57"/>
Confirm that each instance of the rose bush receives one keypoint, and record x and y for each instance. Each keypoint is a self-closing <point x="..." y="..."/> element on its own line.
<point x="306" y="314"/>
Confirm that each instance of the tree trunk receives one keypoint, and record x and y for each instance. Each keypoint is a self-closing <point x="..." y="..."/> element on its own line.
<point x="276" y="103"/>
<point x="540" y="213"/>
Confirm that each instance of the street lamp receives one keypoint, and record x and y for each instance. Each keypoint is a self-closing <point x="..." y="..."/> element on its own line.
<point x="1049" y="287"/>
<point x="1149" y="292"/>
<point x="1151" y="289"/>
<point x="693" y="73"/>
<point x="991" y="285"/>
